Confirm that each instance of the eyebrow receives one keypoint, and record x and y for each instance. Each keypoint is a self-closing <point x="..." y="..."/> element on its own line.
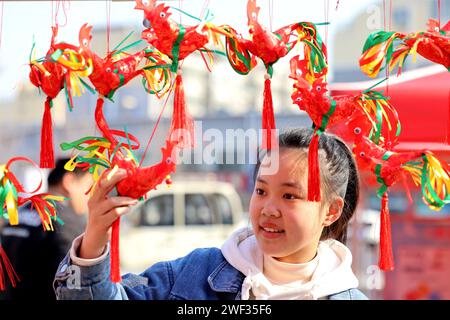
<point x="285" y="184"/>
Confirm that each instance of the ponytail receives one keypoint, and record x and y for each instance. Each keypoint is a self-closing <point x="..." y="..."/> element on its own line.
<point x="338" y="230"/>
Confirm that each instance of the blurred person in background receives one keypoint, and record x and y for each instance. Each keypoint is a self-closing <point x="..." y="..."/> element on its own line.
<point x="35" y="253"/>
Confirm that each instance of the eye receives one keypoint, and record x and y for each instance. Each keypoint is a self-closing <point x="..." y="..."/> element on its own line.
<point x="357" y="130"/>
<point x="145" y="3"/>
<point x="259" y="192"/>
<point x="319" y="88"/>
<point x="108" y="69"/>
<point x="169" y="160"/>
<point x="436" y="29"/>
<point x="146" y="23"/>
<point x="162" y="14"/>
<point x="85" y="42"/>
<point x="362" y="154"/>
<point x="289" y="196"/>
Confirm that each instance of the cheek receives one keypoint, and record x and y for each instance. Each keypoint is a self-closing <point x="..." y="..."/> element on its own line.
<point x="303" y="216"/>
<point x="254" y="208"/>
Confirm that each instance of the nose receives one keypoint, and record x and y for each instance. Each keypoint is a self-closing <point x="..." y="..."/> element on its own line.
<point x="270" y="210"/>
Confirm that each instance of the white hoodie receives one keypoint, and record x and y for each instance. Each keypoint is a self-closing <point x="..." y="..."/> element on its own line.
<point x="330" y="271"/>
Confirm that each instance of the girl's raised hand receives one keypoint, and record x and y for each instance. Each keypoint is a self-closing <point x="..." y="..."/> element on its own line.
<point x="103" y="211"/>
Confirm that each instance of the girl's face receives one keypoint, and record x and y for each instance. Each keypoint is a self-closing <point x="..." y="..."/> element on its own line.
<point x="287" y="226"/>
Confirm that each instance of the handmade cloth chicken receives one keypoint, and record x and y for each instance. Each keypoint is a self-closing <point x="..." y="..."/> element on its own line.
<point x="270" y="47"/>
<point x="390" y="167"/>
<point x="364" y="113"/>
<point x="49" y="77"/>
<point x="177" y="41"/>
<point x="108" y="75"/>
<point x="62" y="67"/>
<point x="433" y="44"/>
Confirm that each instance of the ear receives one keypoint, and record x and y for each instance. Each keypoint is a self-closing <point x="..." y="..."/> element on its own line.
<point x="67" y="180"/>
<point x="334" y="211"/>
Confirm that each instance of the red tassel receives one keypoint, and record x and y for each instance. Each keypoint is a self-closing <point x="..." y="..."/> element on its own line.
<point x="268" y="118"/>
<point x="313" y="170"/>
<point x="182" y="127"/>
<point x="4" y="261"/>
<point x="386" y="262"/>
<point x="47" y="155"/>
<point x="115" y="255"/>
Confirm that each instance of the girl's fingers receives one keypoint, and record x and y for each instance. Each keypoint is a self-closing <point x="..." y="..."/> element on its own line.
<point x="110" y="203"/>
<point x="106" y="183"/>
<point x="111" y="216"/>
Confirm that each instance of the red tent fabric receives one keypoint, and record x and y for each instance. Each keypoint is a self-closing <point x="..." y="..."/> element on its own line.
<point x="422" y="100"/>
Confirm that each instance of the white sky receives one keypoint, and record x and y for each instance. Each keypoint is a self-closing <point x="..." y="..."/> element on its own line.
<point x="23" y="20"/>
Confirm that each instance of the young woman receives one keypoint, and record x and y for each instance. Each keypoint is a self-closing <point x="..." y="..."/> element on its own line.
<point x="294" y="250"/>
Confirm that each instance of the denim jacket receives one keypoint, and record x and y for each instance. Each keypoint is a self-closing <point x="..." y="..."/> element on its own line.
<point x="204" y="274"/>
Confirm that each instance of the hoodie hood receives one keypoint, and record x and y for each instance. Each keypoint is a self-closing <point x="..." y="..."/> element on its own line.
<point x="333" y="273"/>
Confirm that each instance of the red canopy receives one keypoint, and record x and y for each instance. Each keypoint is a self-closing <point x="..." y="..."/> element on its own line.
<point x="422" y="100"/>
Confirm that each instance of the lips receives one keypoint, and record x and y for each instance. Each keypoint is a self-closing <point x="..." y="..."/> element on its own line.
<point x="271" y="228"/>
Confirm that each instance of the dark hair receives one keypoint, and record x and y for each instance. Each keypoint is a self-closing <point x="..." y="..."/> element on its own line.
<point x="338" y="174"/>
<point x="56" y="175"/>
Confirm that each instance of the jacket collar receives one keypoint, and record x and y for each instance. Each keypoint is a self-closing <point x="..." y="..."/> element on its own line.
<point x="226" y="278"/>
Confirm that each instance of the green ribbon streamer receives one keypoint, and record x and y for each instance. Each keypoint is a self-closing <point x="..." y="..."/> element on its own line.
<point x="176" y="48"/>
<point x="123" y="40"/>
<point x="66" y="91"/>
<point x="426" y="186"/>
<point x="382" y="190"/>
<point x="326" y="116"/>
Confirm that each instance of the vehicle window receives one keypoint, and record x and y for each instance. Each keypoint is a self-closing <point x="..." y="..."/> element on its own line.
<point x="157" y="211"/>
<point x="223" y="208"/>
<point x="197" y="210"/>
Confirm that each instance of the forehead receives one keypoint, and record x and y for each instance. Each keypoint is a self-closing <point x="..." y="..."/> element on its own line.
<point x="292" y="164"/>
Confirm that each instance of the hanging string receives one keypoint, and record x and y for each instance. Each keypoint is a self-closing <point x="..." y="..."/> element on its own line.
<point x="205" y="6"/>
<point x="271" y="14"/>
<point x="1" y="23"/>
<point x="337" y="5"/>
<point x="384" y="15"/>
<point x="326" y="7"/>
<point x="390" y="15"/>
<point x="65" y="6"/>
<point x="52" y="17"/>
<point x="389" y="29"/>
<point x="108" y="25"/>
<point x="439" y="13"/>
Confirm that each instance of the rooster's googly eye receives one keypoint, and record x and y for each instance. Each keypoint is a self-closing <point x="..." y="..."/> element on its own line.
<point x="108" y="69"/>
<point x="362" y="154"/>
<point x="85" y="42"/>
<point x="162" y="15"/>
<point x="357" y="130"/>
